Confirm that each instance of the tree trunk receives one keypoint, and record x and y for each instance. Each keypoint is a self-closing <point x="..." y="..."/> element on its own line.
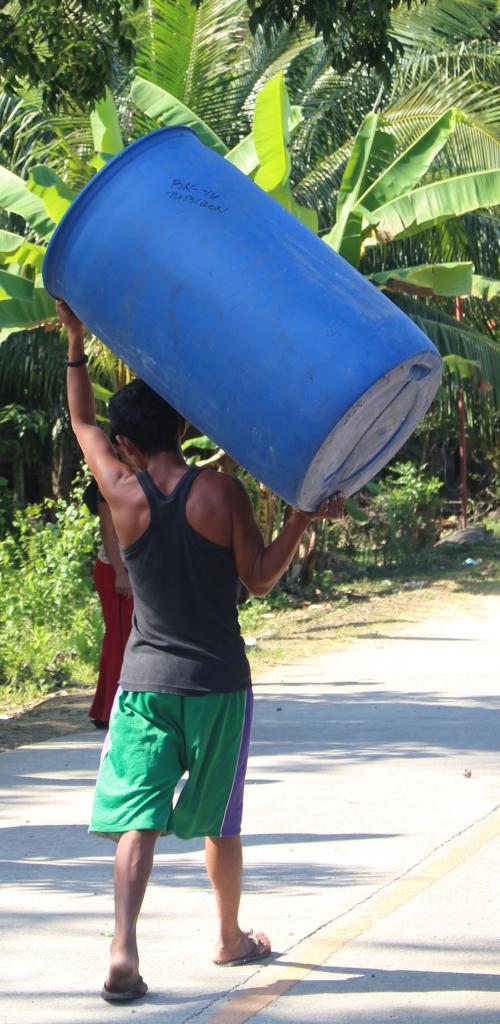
<point x="45" y="488"/>
<point x="65" y="464"/>
<point x="264" y="512"/>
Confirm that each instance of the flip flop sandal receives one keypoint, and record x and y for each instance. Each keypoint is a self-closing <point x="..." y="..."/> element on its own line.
<point x="116" y="995"/>
<point x="261" y="952"/>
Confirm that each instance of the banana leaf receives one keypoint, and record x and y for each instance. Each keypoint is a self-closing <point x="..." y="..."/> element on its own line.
<point x="485" y="288"/>
<point x="27" y="254"/>
<point x="352" y="183"/>
<point x="432" y="203"/>
<point x="404" y="173"/>
<point x="270" y="133"/>
<point x="163" y="107"/>
<point x="17" y="198"/>
<point x="14" y="287"/>
<point x="55" y="194"/>
<point x="441" y="279"/>
<point x="271" y="136"/>
<point x="22" y="313"/>
<point x="9" y="242"/>
<point x="105" y="127"/>
<point x="244" y="154"/>
<point x="371" y="147"/>
<point x="307" y="217"/>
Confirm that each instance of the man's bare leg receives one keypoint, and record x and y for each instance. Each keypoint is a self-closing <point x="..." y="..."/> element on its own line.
<point x="133" y="863"/>
<point x="225" y="867"/>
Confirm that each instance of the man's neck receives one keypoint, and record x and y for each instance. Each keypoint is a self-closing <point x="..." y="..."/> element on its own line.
<point x="164" y="463"/>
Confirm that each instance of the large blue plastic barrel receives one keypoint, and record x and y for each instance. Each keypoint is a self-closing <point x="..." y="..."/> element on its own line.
<point x="253" y="328"/>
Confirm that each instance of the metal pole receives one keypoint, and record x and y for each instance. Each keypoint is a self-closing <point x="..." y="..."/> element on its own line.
<point x="462" y="442"/>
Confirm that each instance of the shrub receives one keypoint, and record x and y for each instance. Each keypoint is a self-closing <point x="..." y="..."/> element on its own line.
<point x="393" y="520"/>
<point x="404" y="510"/>
<point x="49" y="611"/>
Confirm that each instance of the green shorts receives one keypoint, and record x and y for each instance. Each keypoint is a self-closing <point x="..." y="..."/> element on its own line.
<point x="154" y="738"/>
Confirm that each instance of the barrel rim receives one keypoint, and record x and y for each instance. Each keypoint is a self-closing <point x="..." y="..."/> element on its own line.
<point x="351" y="484"/>
<point x="95" y="183"/>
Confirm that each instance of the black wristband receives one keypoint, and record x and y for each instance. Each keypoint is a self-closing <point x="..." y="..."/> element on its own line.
<point x="76" y="362"/>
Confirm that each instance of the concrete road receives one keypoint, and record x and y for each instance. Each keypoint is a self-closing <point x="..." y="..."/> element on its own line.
<point x="372" y="851"/>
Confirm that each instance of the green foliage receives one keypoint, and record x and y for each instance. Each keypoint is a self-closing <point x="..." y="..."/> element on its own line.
<point x="166" y="109"/>
<point x="355" y="512"/>
<point x="72" y="58"/>
<point x="21" y="425"/>
<point x="105" y="125"/>
<point x="54" y="193"/>
<point x="404" y="510"/>
<point x="465" y="369"/>
<point x="196" y="448"/>
<point x="67" y="50"/>
<point x="430" y="279"/>
<point x="399" y="201"/>
<point x="48" y="608"/>
<point x="271" y="136"/>
<point x="399" y="520"/>
<point x="355" y="32"/>
<point x="436" y="122"/>
<point x="458" y="338"/>
<point x="16" y="197"/>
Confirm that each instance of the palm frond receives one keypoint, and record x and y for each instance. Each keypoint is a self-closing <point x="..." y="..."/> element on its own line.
<point x="259" y="60"/>
<point x="32" y="371"/>
<point x="446" y="243"/>
<point x="413" y="111"/>
<point x="165" y="42"/>
<point x="453" y="337"/>
<point x="192" y="53"/>
<point x="319" y="187"/>
<point x="473" y="145"/>
<point x="479" y="59"/>
<point x="333" y="106"/>
<point x="433" y="26"/>
<point x="220" y="33"/>
<point x="482" y="232"/>
<point x="28" y="137"/>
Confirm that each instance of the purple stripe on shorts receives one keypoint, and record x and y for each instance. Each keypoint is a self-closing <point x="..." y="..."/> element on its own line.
<point x="231" y="824"/>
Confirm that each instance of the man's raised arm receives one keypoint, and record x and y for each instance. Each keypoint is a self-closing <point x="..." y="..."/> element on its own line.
<point x="260" y="567"/>
<point x="97" y="449"/>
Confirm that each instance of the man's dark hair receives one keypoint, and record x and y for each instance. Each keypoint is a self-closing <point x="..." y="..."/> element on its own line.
<point x="140" y="414"/>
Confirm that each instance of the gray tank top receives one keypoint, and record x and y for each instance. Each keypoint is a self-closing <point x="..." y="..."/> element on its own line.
<point x="185" y="636"/>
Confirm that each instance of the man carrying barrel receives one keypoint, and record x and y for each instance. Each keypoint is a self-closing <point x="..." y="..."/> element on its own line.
<point x="184" y="704"/>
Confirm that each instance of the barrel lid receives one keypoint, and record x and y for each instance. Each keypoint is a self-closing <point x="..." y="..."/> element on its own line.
<point x="372" y="430"/>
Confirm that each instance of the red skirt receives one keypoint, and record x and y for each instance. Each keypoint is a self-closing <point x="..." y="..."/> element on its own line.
<point x="117" y="614"/>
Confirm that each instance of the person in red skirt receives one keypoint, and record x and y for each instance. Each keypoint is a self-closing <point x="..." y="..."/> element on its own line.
<point x="112" y="584"/>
